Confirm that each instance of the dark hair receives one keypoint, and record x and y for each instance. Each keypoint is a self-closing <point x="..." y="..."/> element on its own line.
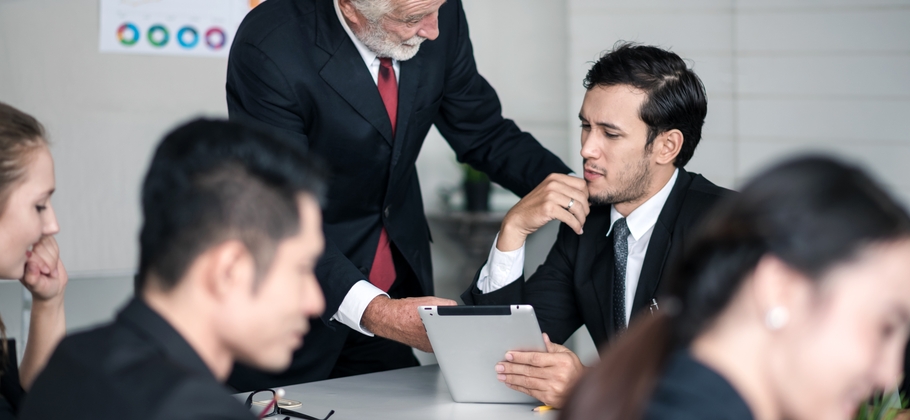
<point x="20" y="135"/>
<point x="211" y="181"/>
<point x="675" y="95"/>
<point x="812" y="213"/>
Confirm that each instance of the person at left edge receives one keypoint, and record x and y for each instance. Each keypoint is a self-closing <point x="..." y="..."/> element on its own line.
<point x="231" y="232"/>
<point x="359" y="83"/>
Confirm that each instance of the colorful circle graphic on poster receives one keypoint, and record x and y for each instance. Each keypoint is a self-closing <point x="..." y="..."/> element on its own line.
<point x="215" y="38"/>
<point x="158" y="36"/>
<point x="187" y="37"/>
<point x="128" y="34"/>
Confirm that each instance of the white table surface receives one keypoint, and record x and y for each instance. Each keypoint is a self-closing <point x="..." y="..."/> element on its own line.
<point x="403" y="394"/>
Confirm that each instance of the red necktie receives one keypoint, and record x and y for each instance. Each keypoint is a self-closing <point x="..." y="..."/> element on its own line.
<point x="382" y="274"/>
<point x="388" y="89"/>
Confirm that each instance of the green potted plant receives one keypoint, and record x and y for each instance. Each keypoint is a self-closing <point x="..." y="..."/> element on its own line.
<point x="476" y="185"/>
<point x="883" y="406"/>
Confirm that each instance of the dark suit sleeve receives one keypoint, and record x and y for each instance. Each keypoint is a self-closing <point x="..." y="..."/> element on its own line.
<point x="259" y="96"/>
<point x="470" y="119"/>
<point x="550" y="290"/>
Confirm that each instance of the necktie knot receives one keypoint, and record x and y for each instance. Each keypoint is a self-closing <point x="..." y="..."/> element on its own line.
<point x="621" y="229"/>
<point x="385" y="62"/>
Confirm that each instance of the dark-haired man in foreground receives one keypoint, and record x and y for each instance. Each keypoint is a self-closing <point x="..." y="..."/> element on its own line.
<point x="641" y="120"/>
<point x="231" y="234"/>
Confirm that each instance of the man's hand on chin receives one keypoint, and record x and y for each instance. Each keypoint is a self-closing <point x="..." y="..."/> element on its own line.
<point x="549" y="377"/>
<point x="399" y="320"/>
<point x="558" y="197"/>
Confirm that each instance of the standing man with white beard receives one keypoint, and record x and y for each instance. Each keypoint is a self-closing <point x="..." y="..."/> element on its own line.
<point x="360" y="82"/>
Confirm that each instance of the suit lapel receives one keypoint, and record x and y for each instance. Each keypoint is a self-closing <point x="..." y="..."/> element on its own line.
<point x="407" y="93"/>
<point x="346" y="73"/>
<point x="652" y="268"/>
<point x="659" y="246"/>
<point x="602" y="271"/>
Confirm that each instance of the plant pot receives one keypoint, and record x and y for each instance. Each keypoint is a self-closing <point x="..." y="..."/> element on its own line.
<point x="477" y="196"/>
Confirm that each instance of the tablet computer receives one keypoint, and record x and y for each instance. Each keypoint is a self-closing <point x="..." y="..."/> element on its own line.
<point x="468" y="342"/>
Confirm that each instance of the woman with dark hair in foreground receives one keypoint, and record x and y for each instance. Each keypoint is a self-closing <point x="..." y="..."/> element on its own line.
<point x="792" y="303"/>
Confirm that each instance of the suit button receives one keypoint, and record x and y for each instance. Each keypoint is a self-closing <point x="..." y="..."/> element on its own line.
<point x="386" y="211"/>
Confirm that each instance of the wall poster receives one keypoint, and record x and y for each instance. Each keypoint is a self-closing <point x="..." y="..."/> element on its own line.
<point x="202" y="28"/>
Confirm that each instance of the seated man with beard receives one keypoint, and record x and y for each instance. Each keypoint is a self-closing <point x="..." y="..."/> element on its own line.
<point x="632" y="213"/>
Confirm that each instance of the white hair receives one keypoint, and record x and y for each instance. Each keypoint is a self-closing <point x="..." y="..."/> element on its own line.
<point x="373" y="10"/>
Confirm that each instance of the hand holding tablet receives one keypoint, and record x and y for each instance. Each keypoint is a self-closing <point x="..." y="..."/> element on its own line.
<point x="469" y="341"/>
<point x="548" y="376"/>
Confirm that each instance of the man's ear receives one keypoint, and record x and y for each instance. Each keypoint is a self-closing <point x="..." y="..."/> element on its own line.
<point x="667" y="146"/>
<point x="231" y="269"/>
<point x="350" y="13"/>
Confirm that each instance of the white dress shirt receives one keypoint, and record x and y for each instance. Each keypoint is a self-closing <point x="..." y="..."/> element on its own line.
<point x="503" y="268"/>
<point x="363" y="292"/>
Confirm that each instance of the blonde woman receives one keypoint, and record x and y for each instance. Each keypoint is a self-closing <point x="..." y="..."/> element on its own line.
<point x="28" y="250"/>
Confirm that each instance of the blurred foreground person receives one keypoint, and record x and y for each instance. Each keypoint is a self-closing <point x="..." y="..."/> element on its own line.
<point x="230" y="237"/>
<point x="793" y="303"/>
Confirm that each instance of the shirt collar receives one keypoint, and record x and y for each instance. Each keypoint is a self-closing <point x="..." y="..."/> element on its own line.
<point x="368" y="56"/>
<point x="645" y="216"/>
<point x="161" y="334"/>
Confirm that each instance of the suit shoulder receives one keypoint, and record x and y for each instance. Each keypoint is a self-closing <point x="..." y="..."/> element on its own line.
<point x="271" y="16"/>
<point x="704" y="190"/>
<point x="94" y="369"/>
<point x="72" y="381"/>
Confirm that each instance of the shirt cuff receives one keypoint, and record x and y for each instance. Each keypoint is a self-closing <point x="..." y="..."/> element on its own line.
<point x="501" y="269"/>
<point x="355" y="303"/>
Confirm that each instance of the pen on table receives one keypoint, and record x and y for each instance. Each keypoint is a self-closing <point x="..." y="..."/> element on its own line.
<point x="542" y="408"/>
<point x="279" y="393"/>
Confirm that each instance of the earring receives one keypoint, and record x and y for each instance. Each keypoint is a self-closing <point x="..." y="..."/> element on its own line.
<point x="776" y="318"/>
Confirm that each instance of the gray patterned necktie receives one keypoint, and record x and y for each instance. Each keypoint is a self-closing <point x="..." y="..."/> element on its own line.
<point x="621" y="256"/>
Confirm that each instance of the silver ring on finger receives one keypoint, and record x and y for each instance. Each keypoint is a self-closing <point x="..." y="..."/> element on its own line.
<point x="571" y="203"/>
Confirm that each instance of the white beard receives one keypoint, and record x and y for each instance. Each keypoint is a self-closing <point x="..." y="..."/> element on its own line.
<point x="379" y="42"/>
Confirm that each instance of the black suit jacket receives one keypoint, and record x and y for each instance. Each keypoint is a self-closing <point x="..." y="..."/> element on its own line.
<point x="574" y="286"/>
<point x="138" y="367"/>
<point x="11" y="392"/>
<point x="689" y="390"/>
<point x="294" y="70"/>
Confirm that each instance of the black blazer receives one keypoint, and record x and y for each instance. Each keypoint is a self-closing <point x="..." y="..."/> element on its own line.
<point x="11" y="392"/>
<point x="294" y="70"/>
<point x="138" y="367"/>
<point x="574" y="286"/>
<point x="689" y="390"/>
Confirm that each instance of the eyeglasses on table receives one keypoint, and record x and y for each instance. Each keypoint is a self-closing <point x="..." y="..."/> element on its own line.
<point x="269" y="395"/>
